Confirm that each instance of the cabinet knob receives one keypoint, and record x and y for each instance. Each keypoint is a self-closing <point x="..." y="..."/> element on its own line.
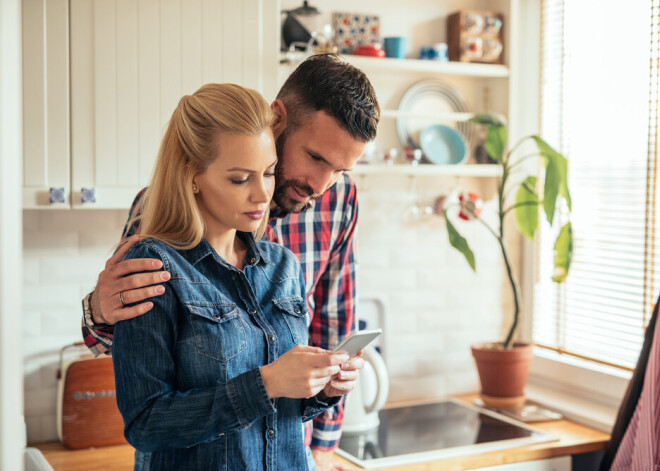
<point x="88" y="195"/>
<point x="57" y="195"/>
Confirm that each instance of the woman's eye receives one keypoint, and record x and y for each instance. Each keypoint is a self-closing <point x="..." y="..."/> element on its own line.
<point x="239" y="182"/>
<point x="269" y="174"/>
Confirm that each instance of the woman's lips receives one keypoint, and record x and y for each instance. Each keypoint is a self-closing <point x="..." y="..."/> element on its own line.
<point x="256" y="215"/>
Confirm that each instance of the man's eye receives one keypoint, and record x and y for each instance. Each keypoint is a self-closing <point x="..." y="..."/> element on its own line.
<point x="315" y="157"/>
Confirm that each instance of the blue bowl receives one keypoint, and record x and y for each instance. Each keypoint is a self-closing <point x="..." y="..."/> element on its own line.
<point x="443" y="145"/>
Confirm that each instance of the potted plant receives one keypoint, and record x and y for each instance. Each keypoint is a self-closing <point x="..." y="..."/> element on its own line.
<point x="503" y="366"/>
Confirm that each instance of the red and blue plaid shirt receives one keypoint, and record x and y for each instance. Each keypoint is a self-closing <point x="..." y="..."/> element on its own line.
<point x="322" y="237"/>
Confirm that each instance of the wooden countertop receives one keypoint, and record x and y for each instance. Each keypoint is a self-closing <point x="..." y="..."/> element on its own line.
<point x="573" y="439"/>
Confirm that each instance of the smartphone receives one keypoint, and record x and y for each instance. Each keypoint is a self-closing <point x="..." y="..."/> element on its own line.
<point x="356" y="342"/>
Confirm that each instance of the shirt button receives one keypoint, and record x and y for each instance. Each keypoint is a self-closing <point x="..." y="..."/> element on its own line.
<point x="271" y="433"/>
<point x="253" y="310"/>
<point x="252" y="260"/>
<point x="297" y="311"/>
<point x="271" y="338"/>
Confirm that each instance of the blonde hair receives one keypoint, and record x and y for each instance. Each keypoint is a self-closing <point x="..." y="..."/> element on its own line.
<point x="190" y="144"/>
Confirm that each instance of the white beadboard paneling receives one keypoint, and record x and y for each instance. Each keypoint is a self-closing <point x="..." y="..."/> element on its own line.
<point x="34" y="77"/>
<point x="57" y="91"/>
<point x="212" y="71"/>
<point x="127" y="93"/>
<point x="83" y="123"/>
<point x="45" y="97"/>
<point x="170" y="58"/>
<point x="231" y="23"/>
<point x="191" y="43"/>
<point x="251" y="44"/>
<point x="105" y="92"/>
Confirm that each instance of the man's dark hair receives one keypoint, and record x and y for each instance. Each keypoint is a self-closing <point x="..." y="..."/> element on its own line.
<point x="326" y="83"/>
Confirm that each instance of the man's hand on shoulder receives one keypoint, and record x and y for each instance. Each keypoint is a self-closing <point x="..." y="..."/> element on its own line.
<point x="121" y="283"/>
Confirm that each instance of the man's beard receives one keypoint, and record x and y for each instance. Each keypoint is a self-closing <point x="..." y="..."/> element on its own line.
<point x="280" y="197"/>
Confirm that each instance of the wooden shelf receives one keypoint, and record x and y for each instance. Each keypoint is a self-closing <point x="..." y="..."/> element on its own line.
<point x="465" y="69"/>
<point x="436" y="67"/>
<point x="467" y="170"/>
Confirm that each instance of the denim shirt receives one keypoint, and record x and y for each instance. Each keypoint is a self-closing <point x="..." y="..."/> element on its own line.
<point x="187" y="372"/>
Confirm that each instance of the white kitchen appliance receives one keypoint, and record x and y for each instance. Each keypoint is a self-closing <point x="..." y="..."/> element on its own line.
<point x="369" y="396"/>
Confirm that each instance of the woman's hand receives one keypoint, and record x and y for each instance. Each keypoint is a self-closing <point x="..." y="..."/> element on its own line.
<point x="344" y="381"/>
<point x="301" y="372"/>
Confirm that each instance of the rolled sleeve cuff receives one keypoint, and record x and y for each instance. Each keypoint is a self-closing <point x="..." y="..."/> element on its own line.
<point x="97" y="337"/>
<point x="314" y="406"/>
<point x="248" y="397"/>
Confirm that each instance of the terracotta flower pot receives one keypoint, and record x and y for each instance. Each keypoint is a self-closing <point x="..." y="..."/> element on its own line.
<point x="503" y="372"/>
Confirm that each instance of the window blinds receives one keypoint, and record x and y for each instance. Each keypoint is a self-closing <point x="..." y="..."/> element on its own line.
<point x="599" y="108"/>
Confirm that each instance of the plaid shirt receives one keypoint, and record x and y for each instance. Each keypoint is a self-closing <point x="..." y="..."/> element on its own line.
<point x="322" y="238"/>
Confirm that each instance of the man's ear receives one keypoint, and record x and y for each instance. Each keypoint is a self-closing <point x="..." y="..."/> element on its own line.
<point x="279" y="124"/>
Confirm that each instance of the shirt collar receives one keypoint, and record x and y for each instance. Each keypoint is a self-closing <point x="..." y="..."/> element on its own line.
<point x="202" y="250"/>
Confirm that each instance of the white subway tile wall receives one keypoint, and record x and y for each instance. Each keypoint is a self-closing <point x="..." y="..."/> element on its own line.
<point x="435" y="305"/>
<point x="63" y="253"/>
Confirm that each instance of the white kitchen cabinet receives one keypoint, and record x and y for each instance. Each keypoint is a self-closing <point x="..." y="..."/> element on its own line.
<point x="46" y="148"/>
<point x="130" y="62"/>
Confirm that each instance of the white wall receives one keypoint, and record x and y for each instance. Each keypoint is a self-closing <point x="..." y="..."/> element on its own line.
<point x="435" y="305"/>
<point x="63" y="253"/>
<point x="12" y="436"/>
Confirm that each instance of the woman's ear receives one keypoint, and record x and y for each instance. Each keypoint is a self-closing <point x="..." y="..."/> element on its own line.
<point x="195" y="188"/>
<point x="279" y="123"/>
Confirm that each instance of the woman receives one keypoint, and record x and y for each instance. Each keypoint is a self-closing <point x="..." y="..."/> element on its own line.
<point x="216" y="375"/>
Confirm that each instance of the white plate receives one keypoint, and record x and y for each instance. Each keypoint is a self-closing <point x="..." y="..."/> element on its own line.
<point x="430" y="96"/>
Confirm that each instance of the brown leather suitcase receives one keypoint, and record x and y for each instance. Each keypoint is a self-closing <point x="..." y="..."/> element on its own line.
<point x="87" y="414"/>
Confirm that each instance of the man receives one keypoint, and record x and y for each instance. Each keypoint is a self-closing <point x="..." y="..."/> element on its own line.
<point x="325" y="114"/>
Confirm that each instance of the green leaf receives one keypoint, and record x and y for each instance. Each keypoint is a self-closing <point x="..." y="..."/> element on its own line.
<point x="556" y="183"/>
<point x="496" y="142"/>
<point x="563" y="253"/>
<point x="527" y="208"/>
<point x="488" y="119"/>
<point x="458" y="242"/>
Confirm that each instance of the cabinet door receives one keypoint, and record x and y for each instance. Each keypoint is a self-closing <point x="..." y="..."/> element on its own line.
<point x="131" y="62"/>
<point x="46" y="149"/>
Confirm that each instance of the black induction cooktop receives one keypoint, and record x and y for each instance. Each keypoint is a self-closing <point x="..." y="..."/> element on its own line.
<point x="436" y="430"/>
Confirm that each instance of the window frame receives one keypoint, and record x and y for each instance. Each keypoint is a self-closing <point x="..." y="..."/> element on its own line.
<point x="580" y="390"/>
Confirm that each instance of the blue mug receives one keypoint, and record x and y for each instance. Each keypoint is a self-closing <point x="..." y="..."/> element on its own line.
<point x="395" y="47"/>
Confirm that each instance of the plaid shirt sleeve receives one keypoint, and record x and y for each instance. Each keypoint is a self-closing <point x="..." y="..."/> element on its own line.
<point x="98" y="337"/>
<point x="334" y="311"/>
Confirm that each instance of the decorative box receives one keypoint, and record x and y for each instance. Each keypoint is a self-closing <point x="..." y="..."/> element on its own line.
<point x="355" y="29"/>
<point x="475" y="36"/>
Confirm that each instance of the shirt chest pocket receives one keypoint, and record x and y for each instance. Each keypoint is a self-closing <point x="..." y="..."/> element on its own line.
<point x="294" y="313"/>
<point x="219" y="330"/>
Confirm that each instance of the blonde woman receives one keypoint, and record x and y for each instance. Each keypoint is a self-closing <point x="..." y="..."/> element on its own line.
<point x="218" y="375"/>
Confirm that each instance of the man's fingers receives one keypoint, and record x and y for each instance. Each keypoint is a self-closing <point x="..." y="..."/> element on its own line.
<point x="131" y="312"/>
<point x="137" y="295"/>
<point x="122" y="251"/>
<point x="141" y="280"/>
<point x="134" y="265"/>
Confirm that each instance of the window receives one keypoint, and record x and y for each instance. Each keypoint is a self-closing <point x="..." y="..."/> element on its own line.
<point x="599" y="108"/>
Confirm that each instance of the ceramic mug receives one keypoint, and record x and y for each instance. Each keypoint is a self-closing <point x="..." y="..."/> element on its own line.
<point x="395" y="47"/>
